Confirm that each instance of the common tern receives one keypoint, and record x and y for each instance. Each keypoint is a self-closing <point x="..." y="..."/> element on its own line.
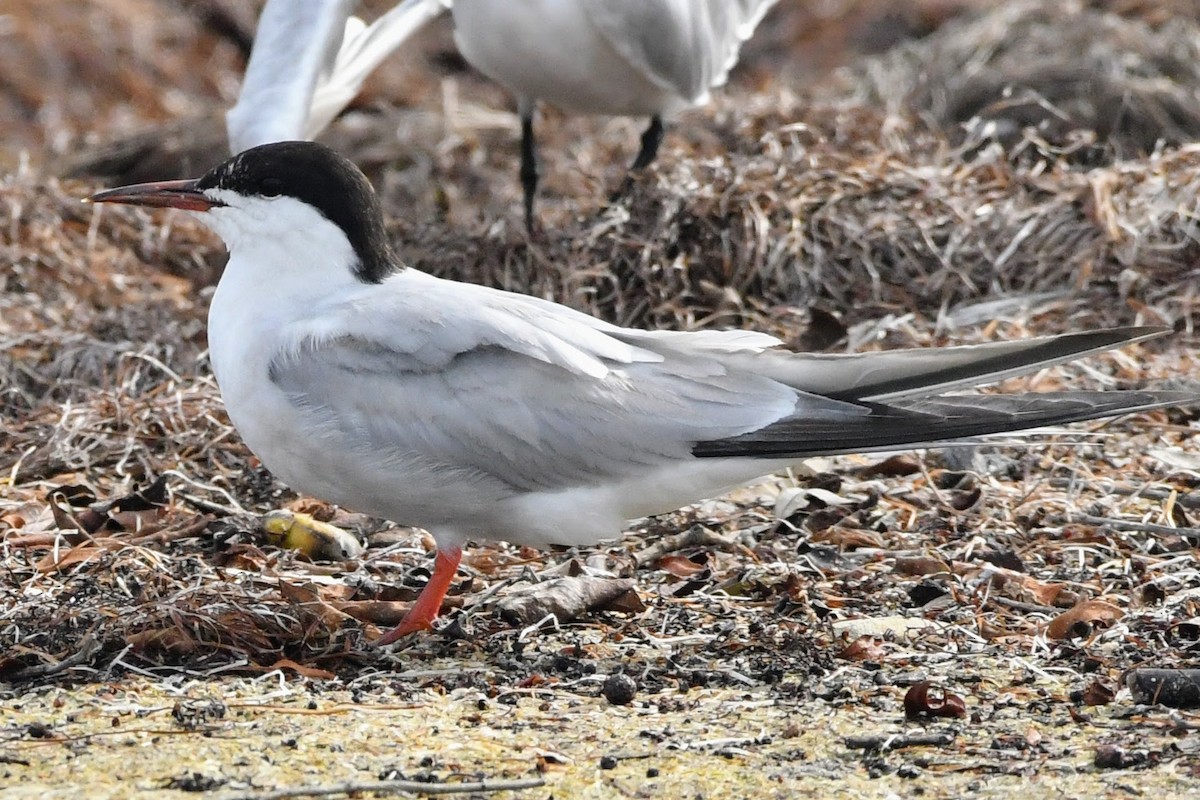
<point x="645" y="58"/>
<point x="484" y="414"/>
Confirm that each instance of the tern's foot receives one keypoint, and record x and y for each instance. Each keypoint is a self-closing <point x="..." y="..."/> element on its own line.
<point x="425" y="610"/>
<point x="410" y="624"/>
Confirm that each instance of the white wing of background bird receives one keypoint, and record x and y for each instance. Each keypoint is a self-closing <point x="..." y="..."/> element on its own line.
<point x="309" y="61"/>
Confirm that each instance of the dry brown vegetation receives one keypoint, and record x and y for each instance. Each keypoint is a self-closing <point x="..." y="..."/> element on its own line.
<point x="1003" y="172"/>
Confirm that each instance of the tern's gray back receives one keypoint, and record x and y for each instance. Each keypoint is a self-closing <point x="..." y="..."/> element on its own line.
<point x="688" y="46"/>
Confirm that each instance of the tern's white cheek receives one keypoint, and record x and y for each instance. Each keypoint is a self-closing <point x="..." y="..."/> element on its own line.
<point x="278" y="238"/>
<point x="253" y="221"/>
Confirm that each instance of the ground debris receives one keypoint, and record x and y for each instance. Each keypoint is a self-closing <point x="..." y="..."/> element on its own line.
<point x="568" y="598"/>
<point x="1176" y="688"/>
<point x="897" y="741"/>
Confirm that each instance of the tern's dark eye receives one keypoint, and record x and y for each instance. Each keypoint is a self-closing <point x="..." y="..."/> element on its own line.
<point x="270" y="187"/>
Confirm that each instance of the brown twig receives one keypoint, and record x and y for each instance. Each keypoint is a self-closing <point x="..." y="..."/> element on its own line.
<point x="88" y="647"/>
<point x="1141" y="527"/>
<point x="695" y="536"/>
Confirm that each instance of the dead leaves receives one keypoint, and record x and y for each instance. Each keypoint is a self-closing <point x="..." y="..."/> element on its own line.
<point x="75" y="507"/>
<point x="90" y="528"/>
<point x="864" y="648"/>
<point x="847" y="538"/>
<point x="915" y="566"/>
<point x="683" y="567"/>
<point x="1082" y="620"/>
<point x="79" y="554"/>
<point x="569" y="598"/>
<point x="922" y="700"/>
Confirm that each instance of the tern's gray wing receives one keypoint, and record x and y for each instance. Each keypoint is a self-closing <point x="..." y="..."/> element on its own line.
<point x="901" y="387"/>
<point x="893" y="374"/>
<point x="914" y="422"/>
<point x="531" y="394"/>
<point x="687" y="46"/>
<point x="467" y="379"/>
<point x="503" y="415"/>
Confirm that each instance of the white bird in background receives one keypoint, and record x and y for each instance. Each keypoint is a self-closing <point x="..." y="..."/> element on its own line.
<point x="643" y="58"/>
<point x="310" y="59"/>
<point x="482" y="414"/>
<point x="647" y="58"/>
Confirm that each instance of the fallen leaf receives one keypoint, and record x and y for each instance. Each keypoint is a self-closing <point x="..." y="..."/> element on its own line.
<point x="74" y="507"/>
<point x="795" y="499"/>
<point x="1098" y="693"/>
<point x="1111" y="756"/>
<point x="864" y="648"/>
<point x="922" y="701"/>
<point x="569" y="598"/>
<point x="1082" y="619"/>
<point x="243" y="556"/>
<point x="312" y="507"/>
<point x="168" y="640"/>
<point x="307" y="598"/>
<point x="64" y="518"/>
<point x="1033" y="737"/>
<point x="375" y="612"/>
<point x="78" y="554"/>
<point x="11" y="521"/>
<point x="920" y="565"/>
<point x="845" y="538"/>
<point x="896" y="466"/>
<point x="1034" y="591"/>
<point x="962" y="500"/>
<point x="680" y="566"/>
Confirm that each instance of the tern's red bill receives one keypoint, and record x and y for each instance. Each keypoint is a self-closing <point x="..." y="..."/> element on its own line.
<point x="160" y="194"/>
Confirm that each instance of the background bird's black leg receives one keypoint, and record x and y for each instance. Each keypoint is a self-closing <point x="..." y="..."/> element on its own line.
<point x="529" y="169"/>
<point x="651" y="139"/>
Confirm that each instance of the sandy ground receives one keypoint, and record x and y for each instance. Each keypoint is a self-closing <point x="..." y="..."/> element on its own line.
<point x="232" y="737"/>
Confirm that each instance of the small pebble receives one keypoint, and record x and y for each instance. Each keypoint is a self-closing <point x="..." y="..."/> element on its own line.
<point x="608" y="762"/>
<point x="619" y="689"/>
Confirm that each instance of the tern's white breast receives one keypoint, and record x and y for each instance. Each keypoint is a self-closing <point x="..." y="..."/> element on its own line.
<point x="286" y="261"/>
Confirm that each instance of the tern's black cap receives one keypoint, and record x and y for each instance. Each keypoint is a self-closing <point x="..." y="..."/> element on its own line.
<point x="328" y="182"/>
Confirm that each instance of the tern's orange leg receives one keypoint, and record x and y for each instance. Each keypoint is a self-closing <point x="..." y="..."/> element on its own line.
<point x="423" y="612"/>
